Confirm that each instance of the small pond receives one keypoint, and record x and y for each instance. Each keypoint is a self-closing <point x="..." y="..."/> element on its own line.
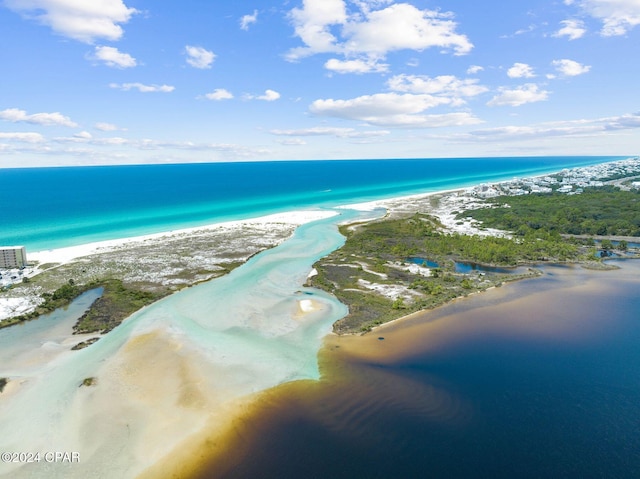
<point x="423" y="262"/>
<point x="461" y="267"/>
<point x="466" y="268"/>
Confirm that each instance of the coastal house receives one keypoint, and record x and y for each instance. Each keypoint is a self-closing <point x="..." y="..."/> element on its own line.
<point x="13" y="257"/>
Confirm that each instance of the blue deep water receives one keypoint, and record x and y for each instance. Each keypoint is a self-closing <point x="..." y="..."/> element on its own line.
<point x="44" y="208"/>
<point x="537" y="379"/>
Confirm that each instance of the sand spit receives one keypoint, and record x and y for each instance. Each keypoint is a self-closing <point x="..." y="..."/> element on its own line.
<point x="156" y="262"/>
<point x="64" y="255"/>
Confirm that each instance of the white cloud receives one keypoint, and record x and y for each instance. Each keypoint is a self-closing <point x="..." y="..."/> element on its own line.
<point x="355" y="66"/>
<point x="520" y="70"/>
<point x="87" y="138"/>
<point x="81" y="20"/>
<point x="574" y="128"/>
<point x="26" y="137"/>
<point x="447" y="86"/>
<point x="219" y="94"/>
<point x="46" y="119"/>
<point x="247" y="20"/>
<point x="380" y="104"/>
<point x="430" y="121"/>
<point x="114" y="58"/>
<point x="326" y="26"/>
<point x="312" y="24"/>
<point x="199" y="57"/>
<point x="106" y="127"/>
<point x="403" y="26"/>
<point x="570" y="68"/>
<point x="473" y="69"/>
<point x="392" y="109"/>
<point x="528" y="93"/>
<point x="331" y="131"/>
<point x="269" y="95"/>
<point x="617" y="16"/>
<point x="114" y="140"/>
<point x="573" y="29"/>
<point x="142" y="87"/>
<point x="291" y="141"/>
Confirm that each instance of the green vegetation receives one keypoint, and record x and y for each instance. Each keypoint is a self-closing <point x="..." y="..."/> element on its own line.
<point x="3" y="383"/>
<point x="396" y="240"/>
<point x="92" y="381"/>
<point x="60" y="298"/>
<point x="373" y="259"/>
<point x="84" y="344"/>
<point x="376" y="253"/>
<point x="597" y="211"/>
<point x="116" y="303"/>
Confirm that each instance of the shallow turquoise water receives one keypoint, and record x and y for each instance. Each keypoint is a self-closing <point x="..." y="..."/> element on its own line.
<point x="245" y="327"/>
<point x="45" y="208"/>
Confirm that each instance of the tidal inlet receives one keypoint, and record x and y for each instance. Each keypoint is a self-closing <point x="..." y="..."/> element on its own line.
<point x="189" y="360"/>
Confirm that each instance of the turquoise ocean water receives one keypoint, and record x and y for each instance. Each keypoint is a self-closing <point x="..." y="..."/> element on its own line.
<point x="44" y="208"/>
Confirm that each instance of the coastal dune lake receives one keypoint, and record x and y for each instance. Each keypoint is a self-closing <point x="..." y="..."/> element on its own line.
<point x="539" y="378"/>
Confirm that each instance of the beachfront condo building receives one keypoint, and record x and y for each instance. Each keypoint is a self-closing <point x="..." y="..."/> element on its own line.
<point x="13" y="257"/>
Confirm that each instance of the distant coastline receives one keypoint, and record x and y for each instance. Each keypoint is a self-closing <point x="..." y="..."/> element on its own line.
<point x="72" y="206"/>
<point x="280" y="225"/>
<point x="210" y="347"/>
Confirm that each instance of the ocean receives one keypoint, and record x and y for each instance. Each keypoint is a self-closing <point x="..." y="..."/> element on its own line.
<point x="46" y="208"/>
<point x="539" y="378"/>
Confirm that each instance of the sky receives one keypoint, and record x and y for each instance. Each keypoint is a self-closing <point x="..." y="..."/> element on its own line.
<point x="105" y="82"/>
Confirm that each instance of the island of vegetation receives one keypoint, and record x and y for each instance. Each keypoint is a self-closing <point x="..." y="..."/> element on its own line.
<point x="399" y="265"/>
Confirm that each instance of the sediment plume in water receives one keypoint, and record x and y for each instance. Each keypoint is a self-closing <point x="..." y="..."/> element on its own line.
<point x="417" y="395"/>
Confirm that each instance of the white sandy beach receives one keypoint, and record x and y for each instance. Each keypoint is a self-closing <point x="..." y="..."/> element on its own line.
<point x="258" y="232"/>
<point x="64" y="255"/>
<point x="450" y="201"/>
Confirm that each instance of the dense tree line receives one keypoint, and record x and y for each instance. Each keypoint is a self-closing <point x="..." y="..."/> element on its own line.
<point x="395" y="240"/>
<point x="597" y="211"/>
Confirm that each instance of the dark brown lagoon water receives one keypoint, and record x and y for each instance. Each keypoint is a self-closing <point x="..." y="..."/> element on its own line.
<point x="540" y="378"/>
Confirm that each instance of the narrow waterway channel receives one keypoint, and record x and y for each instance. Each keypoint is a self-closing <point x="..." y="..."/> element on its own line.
<point x="171" y="367"/>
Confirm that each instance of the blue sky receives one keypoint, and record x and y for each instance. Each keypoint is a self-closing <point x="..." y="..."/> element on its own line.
<point x="135" y="81"/>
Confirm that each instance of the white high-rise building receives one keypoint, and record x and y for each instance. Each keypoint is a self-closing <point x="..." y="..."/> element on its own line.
<point x="13" y="257"/>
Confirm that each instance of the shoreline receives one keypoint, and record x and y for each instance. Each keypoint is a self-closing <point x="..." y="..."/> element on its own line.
<point x="449" y="202"/>
<point x="293" y="217"/>
<point x="69" y="253"/>
<point x="160" y="263"/>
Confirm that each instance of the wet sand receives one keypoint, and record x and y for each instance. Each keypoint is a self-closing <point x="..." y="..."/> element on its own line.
<point x="132" y="399"/>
